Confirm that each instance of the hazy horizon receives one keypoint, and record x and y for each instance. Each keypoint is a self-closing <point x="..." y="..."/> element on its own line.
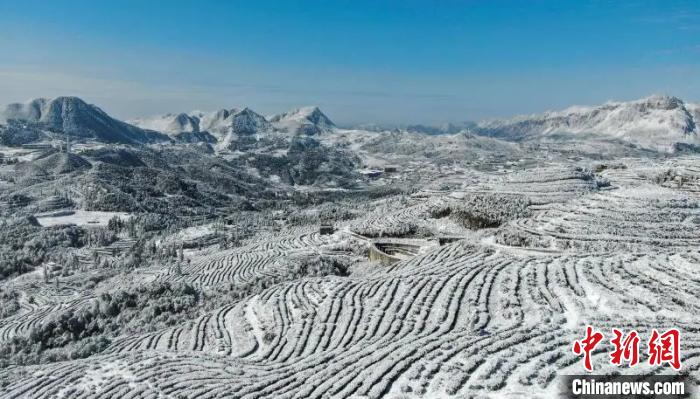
<point x="360" y="62"/>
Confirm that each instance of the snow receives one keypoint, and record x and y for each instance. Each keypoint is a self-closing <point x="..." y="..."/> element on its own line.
<point x="225" y="125"/>
<point x="651" y="122"/>
<point x="305" y="120"/>
<point x="79" y="218"/>
<point x="492" y="314"/>
<point x="190" y="234"/>
<point x="168" y="123"/>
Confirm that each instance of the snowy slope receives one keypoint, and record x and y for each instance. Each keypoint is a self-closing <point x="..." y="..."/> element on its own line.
<point x="694" y="109"/>
<point x="226" y="125"/>
<point x="169" y="123"/>
<point x="73" y="116"/>
<point x="223" y="125"/>
<point x="652" y="121"/>
<point x="236" y="121"/>
<point x="309" y="121"/>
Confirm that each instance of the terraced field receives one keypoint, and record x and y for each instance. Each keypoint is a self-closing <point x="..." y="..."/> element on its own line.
<point x="633" y="219"/>
<point x="253" y="261"/>
<point x="493" y="314"/>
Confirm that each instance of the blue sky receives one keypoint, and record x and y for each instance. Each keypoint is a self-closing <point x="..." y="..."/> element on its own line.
<point x="360" y="61"/>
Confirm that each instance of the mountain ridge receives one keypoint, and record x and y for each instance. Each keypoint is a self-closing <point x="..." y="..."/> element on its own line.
<point x="308" y="120"/>
<point x="654" y="121"/>
<point x="226" y="125"/>
<point x="73" y="116"/>
<point x="657" y="119"/>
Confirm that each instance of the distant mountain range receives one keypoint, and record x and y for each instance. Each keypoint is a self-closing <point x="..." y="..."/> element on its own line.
<point x="227" y="124"/>
<point x="76" y="118"/>
<point x="656" y="121"/>
<point x="433" y="130"/>
<point x="653" y="122"/>
<point x="307" y="120"/>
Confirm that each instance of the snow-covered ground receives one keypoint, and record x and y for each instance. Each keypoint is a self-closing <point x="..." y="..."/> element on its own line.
<point x="493" y="314"/>
<point x="510" y="248"/>
<point x="79" y="217"/>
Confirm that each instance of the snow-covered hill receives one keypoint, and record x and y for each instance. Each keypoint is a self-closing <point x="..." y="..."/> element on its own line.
<point x="656" y="121"/>
<point x="169" y="123"/>
<point x="226" y="125"/>
<point x="309" y="121"/>
<point x="75" y="117"/>
<point x="222" y="126"/>
<point x="234" y="121"/>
